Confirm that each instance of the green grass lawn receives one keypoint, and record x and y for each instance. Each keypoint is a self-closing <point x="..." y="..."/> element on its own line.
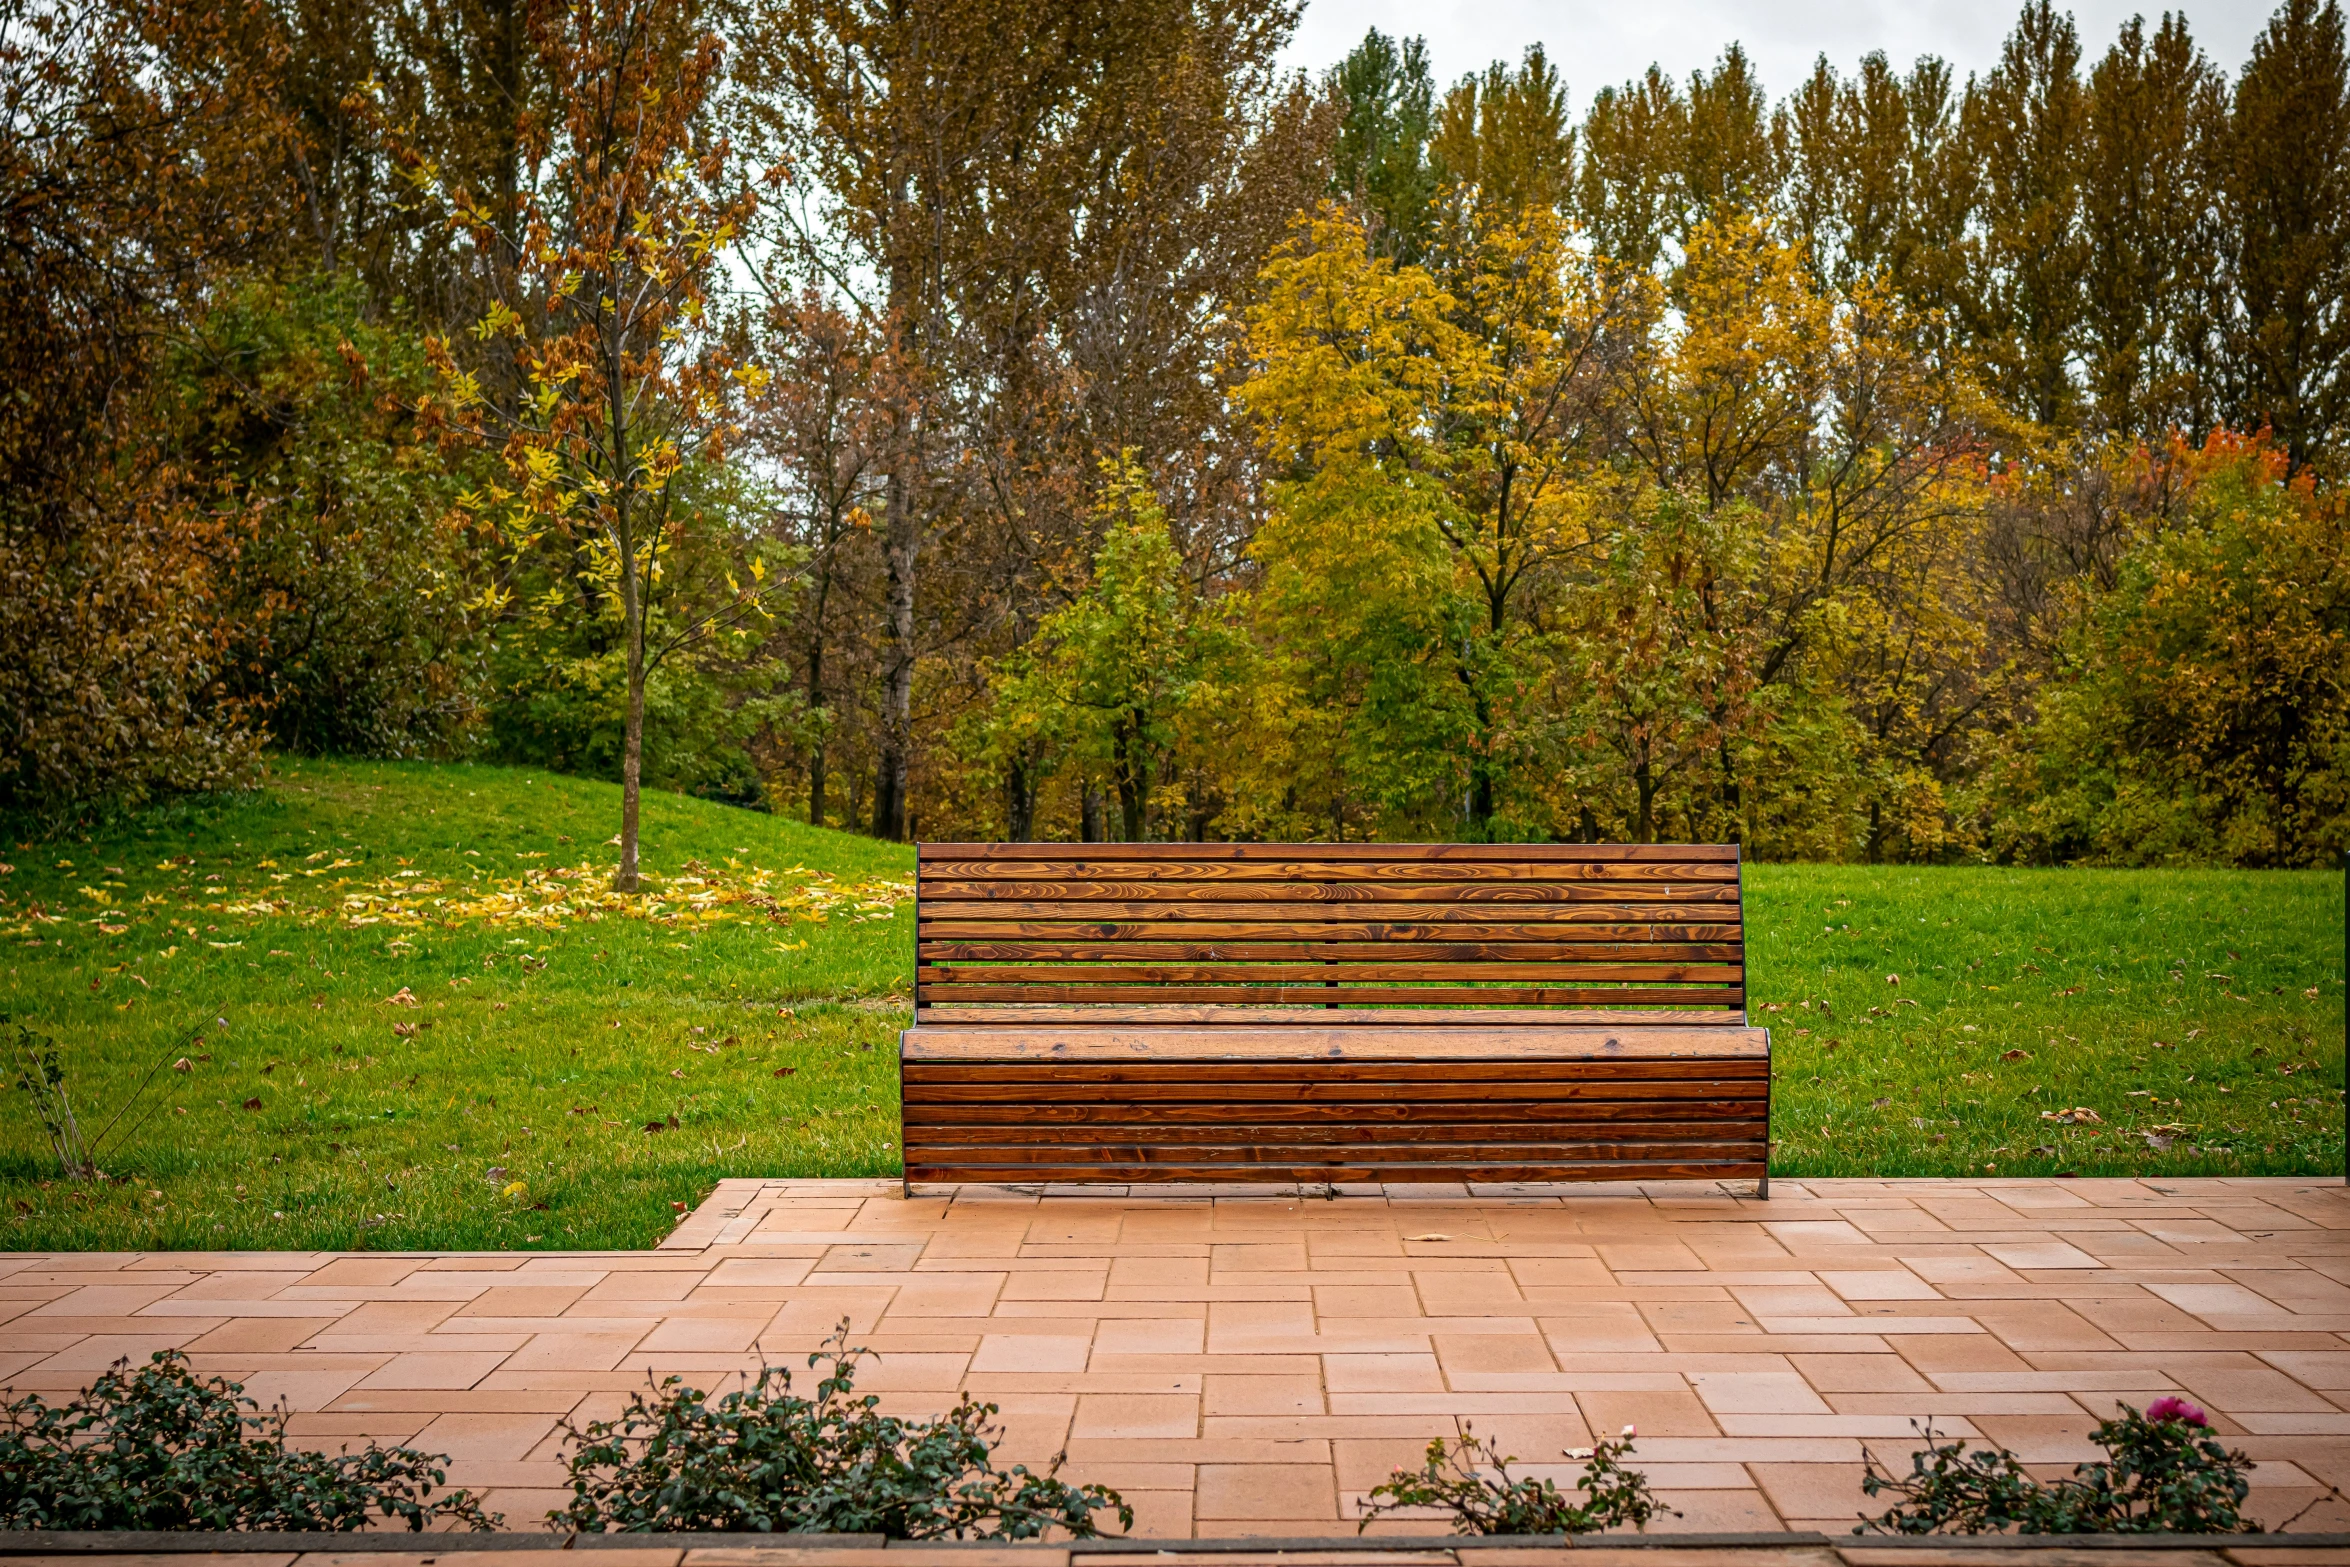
<point x="2045" y="1021"/>
<point x="413" y="1016"/>
<point x="747" y="1007"/>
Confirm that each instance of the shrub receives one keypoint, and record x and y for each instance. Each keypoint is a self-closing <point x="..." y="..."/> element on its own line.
<point x="1454" y="1479"/>
<point x="766" y="1460"/>
<point x="2163" y="1473"/>
<point x="157" y="1449"/>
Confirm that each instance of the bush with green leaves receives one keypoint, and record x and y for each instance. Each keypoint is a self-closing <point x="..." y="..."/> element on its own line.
<point x="766" y="1460"/>
<point x="2164" y="1472"/>
<point x="157" y="1449"/>
<point x="1455" y="1479"/>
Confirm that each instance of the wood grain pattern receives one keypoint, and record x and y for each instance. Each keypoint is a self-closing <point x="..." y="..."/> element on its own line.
<point x="1467" y="884"/>
<point x="1643" y="905"/>
<point x="1336" y="1170"/>
<point x="1347" y="995"/>
<point x="1309" y="1012"/>
<point x="1211" y="1018"/>
<point x="1411" y="853"/>
<point x="1306" y="1047"/>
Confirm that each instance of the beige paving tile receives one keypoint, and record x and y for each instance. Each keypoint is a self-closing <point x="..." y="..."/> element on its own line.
<point x="1756" y="1392"/>
<point x="1151" y="1336"/>
<point x="1135" y="1416"/>
<point x="1805" y="1491"/>
<point x="1253" y="1364"/>
<point x="1653" y="1414"/>
<point x="435" y="1370"/>
<point x="1265" y="1492"/>
<point x="1262" y="1395"/>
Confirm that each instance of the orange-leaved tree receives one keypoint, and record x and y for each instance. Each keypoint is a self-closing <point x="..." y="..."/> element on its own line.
<point x="607" y="288"/>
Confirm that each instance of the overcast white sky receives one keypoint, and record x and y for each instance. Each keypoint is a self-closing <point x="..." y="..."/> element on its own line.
<point x="1598" y="42"/>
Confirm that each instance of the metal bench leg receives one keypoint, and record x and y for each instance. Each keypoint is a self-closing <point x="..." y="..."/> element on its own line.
<point x="1762" y="1188"/>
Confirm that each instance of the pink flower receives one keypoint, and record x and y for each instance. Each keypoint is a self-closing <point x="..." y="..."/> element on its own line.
<point x="2171" y="1407"/>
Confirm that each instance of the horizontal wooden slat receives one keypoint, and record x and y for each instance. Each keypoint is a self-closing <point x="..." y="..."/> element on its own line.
<point x="1277" y="951"/>
<point x="1294" y="889"/>
<point x="1347" y="995"/>
<point x="1344" y="1170"/>
<point x="1642" y="904"/>
<point x="1264" y="1134"/>
<point x="1400" y="970"/>
<point x="1733" y="1103"/>
<point x="1088" y="1014"/>
<point x="1308" y="1050"/>
<point x="1303" y="1093"/>
<point x="1210" y="853"/>
<point x="1638" y="1062"/>
<point x="1245" y="1153"/>
<point x="1564" y="925"/>
<point x="1396" y="873"/>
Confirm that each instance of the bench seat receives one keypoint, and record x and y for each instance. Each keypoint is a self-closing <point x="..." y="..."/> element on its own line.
<point x="1161" y="1013"/>
<point x="1082" y="1101"/>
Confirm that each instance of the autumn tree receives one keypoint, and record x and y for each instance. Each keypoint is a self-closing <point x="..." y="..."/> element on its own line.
<point x="1043" y="212"/>
<point x="629" y="378"/>
<point x="822" y="420"/>
<point x="2201" y="710"/>
<point x="2149" y="216"/>
<point x="2286" y="176"/>
<point x="1438" y="435"/>
<point x="138" y="162"/>
<point x="1504" y="135"/>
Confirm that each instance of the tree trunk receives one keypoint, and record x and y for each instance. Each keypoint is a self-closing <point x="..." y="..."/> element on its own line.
<point x="816" y="758"/>
<point x="1019" y="801"/>
<point x="1132" y="773"/>
<point x="897" y="701"/>
<point x="1089" y="812"/>
<point x="632" y="747"/>
<point x="1644" y="828"/>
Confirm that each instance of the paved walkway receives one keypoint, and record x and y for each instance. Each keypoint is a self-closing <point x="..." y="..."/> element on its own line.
<point x="1250" y="1363"/>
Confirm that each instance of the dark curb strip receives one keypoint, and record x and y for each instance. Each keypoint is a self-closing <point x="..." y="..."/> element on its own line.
<point x="195" y="1542"/>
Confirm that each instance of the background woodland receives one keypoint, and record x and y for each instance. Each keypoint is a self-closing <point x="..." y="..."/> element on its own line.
<point x="1049" y="419"/>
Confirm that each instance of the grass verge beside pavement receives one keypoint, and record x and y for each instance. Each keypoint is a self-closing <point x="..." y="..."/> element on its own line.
<point x="1977" y="1020"/>
<point x="424" y="1021"/>
<point x="414" y="1017"/>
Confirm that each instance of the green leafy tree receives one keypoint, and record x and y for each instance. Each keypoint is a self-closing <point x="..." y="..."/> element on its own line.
<point x="1118" y="678"/>
<point x="2201" y="708"/>
<point x="2157" y="108"/>
<point x="1386" y="100"/>
<point x="2025" y="126"/>
<point x="1438" y="433"/>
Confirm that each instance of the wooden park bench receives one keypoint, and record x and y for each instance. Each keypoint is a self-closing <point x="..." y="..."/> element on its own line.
<point x="1331" y="1013"/>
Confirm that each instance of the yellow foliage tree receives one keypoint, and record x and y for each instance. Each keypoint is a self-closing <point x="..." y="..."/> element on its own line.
<point x="1438" y="433"/>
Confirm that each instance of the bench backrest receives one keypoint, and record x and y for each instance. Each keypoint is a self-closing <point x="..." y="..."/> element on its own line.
<point x="1285" y="925"/>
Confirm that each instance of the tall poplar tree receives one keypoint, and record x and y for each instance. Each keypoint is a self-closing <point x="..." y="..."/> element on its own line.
<point x="1386" y="106"/>
<point x="2287" y="174"/>
<point x="2147" y="207"/>
<point x="2025" y="128"/>
<point x="1505" y="134"/>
